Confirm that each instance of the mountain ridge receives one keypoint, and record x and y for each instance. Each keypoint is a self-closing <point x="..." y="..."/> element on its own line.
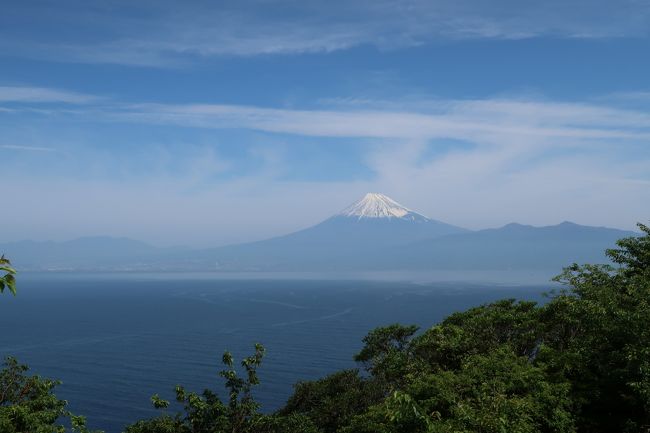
<point x="373" y="233"/>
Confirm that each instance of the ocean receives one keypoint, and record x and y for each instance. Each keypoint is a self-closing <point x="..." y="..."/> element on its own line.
<point x="117" y="339"/>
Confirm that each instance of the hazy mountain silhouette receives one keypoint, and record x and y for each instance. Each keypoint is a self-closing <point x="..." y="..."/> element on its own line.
<point x="514" y="246"/>
<point x="350" y="239"/>
<point x="374" y="233"/>
<point x="97" y="252"/>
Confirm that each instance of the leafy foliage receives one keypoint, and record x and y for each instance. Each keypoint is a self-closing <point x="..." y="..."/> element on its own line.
<point x="206" y="413"/>
<point x="331" y="402"/>
<point x="8" y="280"/>
<point x="28" y="403"/>
<point x="386" y="353"/>
<point x="599" y="338"/>
<point x="497" y="392"/>
<point x="633" y="254"/>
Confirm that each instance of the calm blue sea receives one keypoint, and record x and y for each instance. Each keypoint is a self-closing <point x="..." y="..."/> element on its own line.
<point x="116" y="339"/>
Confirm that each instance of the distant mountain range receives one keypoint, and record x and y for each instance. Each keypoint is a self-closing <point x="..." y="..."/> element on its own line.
<point x="88" y="253"/>
<point x="375" y="233"/>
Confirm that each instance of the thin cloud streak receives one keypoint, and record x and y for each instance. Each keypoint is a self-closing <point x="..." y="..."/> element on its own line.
<point x="27" y="148"/>
<point x="485" y="121"/>
<point x="160" y="34"/>
<point x="43" y="95"/>
<point x="467" y="120"/>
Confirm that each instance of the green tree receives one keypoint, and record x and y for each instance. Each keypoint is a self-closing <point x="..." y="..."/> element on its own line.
<point x="494" y="393"/>
<point x="332" y="402"/>
<point x="479" y="330"/>
<point x="386" y="353"/>
<point x="206" y="413"/>
<point x="598" y="338"/>
<point x="28" y="403"/>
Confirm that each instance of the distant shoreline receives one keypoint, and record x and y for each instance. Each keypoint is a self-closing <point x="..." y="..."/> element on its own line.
<point x="498" y="277"/>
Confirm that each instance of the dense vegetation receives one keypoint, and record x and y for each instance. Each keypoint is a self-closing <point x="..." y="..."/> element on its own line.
<point x="578" y="363"/>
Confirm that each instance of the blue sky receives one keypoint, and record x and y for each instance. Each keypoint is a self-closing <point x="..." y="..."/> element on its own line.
<point x="204" y="123"/>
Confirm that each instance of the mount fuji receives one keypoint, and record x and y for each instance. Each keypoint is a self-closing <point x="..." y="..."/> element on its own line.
<point x="375" y="205"/>
<point x="373" y="226"/>
<point x="375" y="220"/>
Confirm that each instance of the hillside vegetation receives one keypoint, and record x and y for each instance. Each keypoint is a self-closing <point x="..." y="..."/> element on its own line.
<point x="578" y="363"/>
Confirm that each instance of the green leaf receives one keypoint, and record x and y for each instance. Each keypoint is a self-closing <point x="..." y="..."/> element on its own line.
<point x="10" y="281"/>
<point x="227" y="359"/>
<point x="158" y="402"/>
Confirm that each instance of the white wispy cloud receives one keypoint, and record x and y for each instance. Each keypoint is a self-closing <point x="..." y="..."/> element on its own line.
<point x="476" y="120"/>
<point x="630" y="95"/>
<point x="165" y="34"/>
<point x="27" y="148"/>
<point x="42" y="94"/>
<point x="526" y="123"/>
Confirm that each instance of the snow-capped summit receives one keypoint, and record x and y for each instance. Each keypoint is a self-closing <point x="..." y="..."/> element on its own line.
<point x="375" y="205"/>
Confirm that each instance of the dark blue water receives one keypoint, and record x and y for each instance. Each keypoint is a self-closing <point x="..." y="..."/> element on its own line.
<point x="114" y="340"/>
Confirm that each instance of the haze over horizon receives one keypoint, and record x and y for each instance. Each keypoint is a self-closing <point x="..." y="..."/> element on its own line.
<point x="223" y="124"/>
